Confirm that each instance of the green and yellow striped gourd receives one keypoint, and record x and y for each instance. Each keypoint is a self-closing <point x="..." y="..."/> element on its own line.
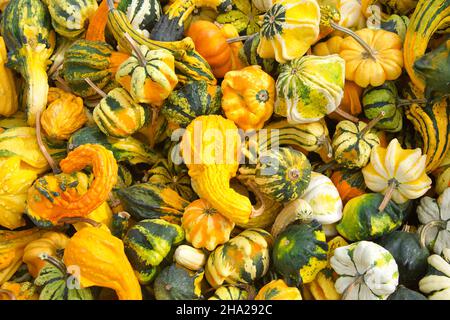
<point x="249" y="56"/>
<point x="147" y="243"/>
<point x="229" y="293"/>
<point x="118" y="116"/>
<point x="142" y="14"/>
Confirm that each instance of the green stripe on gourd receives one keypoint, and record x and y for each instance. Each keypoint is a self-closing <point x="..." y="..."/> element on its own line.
<point x="229" y="293"/>
<point x="397" y="24"/>
<point x="142" y="14"/>
<point x="383" y="98"/>
<point x="300" y="252"/>
<point x="282" y="175"/>
<point x="147" y="243"/>
<point x="248" y="55"/>
<point x="194" y="99"/>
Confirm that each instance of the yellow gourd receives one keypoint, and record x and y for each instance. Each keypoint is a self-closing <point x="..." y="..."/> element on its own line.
<point x="8" y="91"/>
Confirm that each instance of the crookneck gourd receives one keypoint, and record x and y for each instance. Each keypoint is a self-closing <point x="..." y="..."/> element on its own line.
<point x="30" y="39"/>
<point x="55" y="196"/>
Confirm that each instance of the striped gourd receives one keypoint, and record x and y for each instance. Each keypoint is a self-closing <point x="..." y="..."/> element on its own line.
<point x="95" y="60"/>
<point x="28" y="35"/>
<point x="142" y="14"/>
<point x="194" y="99"/>
<point x="278" y="290"/>
<point x="229" y="293"/>
<point x="429" y="17"/>
<point x="176" y="177"/>
<point x="188" y="63"/>
<point x="282" y="174"/>
<point x="118" y="116"/>
<point x="432" y="122"/>
<point x="248" y="56"/>
<point x="70" y="17"/>
<point x="243" y="259"/>
<point x="152" y="201"/>
<point x="397" y="24"/>
<point x="147" y="243"/>
<point x="383" y="98"/>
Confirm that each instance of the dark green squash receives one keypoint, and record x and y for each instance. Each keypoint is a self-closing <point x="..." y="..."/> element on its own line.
<point x="142" y="14"/>
<point x="147" y="243"/>
<point x="403" y="293"/>
<point x="397" y="24"/>
<point x="300" y="252"/>
<point x="361" y="219"/>
<point x="178" y="283"/>
<point x="152" y="201"/>
<point x="119" y="224"/>
<point x="196" y="98"/>
<point x="409" y="255"/>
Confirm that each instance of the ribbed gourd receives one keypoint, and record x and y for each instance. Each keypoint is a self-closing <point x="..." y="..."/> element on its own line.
<point x="249" y="56"/>
<point x="10" y="103"/>
<point x="142" y="14"/>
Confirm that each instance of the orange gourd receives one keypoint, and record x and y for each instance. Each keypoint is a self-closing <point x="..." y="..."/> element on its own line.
<point x="97" y="24"/>
<point x="351" y="102"/>
<point x="349" y="184"/>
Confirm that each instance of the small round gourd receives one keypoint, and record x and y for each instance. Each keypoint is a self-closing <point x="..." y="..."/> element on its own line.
<point x="177" y="283"/>
<point x="283" y="175"/>
<point x="278" y="290"/>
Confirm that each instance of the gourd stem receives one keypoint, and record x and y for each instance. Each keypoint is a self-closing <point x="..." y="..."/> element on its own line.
<point x="139" y="54"/>
<point x="388" y="195"/>
<point x="57" y="263"/>
<point x="42" y="147"/>
<point x="9" y="293"/>
<point x="94" y="86"/>
<point x="372" y="123"/>
<point x="406" y="102"/>
<point x="357" y="38"/>
<point x="325" y="142"/>
<point x="240" y="38"/>
<point x="124" y="215"/>
<point x="426" y="227"/>
<point x="72" y="220"/>
<point x="347" y="290"/>
<point x="326" y="166"/>
<point x="283" y="219"/>
<point x="346" y="115"/>
<point x="110" y="5"/>
<point x="293" y="174"/>
<point x="63" y="83"/>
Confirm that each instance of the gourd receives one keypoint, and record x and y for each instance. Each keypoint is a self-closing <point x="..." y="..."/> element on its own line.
<point x="299" y="252"/>
<point x="287" y="39"/>
<point x="349" y="183"/>
<point x="262" y="5"/>
<point x="95" y="60"/>
<point x="63" y="117"/>
<point x="282" y="175"/>
<point x="410" y="256"/>
<point x="147" y="244"/>
<point x="249" y="56"/>
<point x="97" y="24"/>
<point x="102" y="262"/>
<point x="244" y="17"/>
<point x="278" y="290"/>
<point x="434" y="216"/>
<point x="103" y="215"/>
<point x="189" y="257"/>
<point x="403" y="293"/>
<point x="178" y="283"/>
<point x="298" y="209"/>
<point x="57" y="283"/>
<point x="171" y="25"/>
<point x="442" y="174"/>
<point x="20" y="291"/>
<point x="67" y="199"/>
<point x="372" y="59"/>
<point x="436" y="282"/>
<point x="362" y="219"/>
<point x="70" y="19"/>
<point x="383" y="98"/>
<point x="204" y="226"/>
<point x="228" y="292"/>
<point x="211" y="43"/>
<point x="248" y="97"/>
<point x="211" y="170"/>
<point x="366" y="271"/>
<point x="7" y="85"/>
<point x="29" y="50"/>
<point x="353" y="142"/>
<point x="12" y="244"/>
<point x="189" y="65"/>
<point x="148" y="75"/>
<point x="15" y="178"/>
<point x="49" y="243"/>
<point x="117" y="115"/>
<point x="324" y="199"/>
<point x="174" y="176"/>
<point x="152" y="201"/>
<point x="351" y="14"/>
<point x="143" y="15"/>
<point x="397" y="24"/>
<point x="309" y="88"/>
<point x="397" y="173"/>
<point x="428" y="18"/>
<point x="328" y="47"/>
<point x="431" y="122"/>
<point x="351" y="101"/>
<point x="128" y="150"/>
<point x="242" y="259"/>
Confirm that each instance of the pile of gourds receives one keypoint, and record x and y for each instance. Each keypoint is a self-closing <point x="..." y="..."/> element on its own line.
<point x="225" y="149"/>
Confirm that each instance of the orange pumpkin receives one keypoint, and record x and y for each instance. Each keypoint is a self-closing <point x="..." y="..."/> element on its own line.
<point x="351" y="102"/>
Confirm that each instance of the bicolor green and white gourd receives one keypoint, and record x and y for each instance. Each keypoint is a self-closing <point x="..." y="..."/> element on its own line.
<point x="309" y="88"/>
<point x="147" y="243"/>
<point x="366" y="271"/>
<point x="142" y="14"/>
<point x="283" y="175"/>
<point x="383" y="98"/>
<point x="177" y="283"/>
<point x="436" y="283"/>
<point x="300" y="252"/>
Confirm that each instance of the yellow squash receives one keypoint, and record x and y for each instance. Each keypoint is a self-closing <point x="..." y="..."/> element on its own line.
<point x="9" y="104"/>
